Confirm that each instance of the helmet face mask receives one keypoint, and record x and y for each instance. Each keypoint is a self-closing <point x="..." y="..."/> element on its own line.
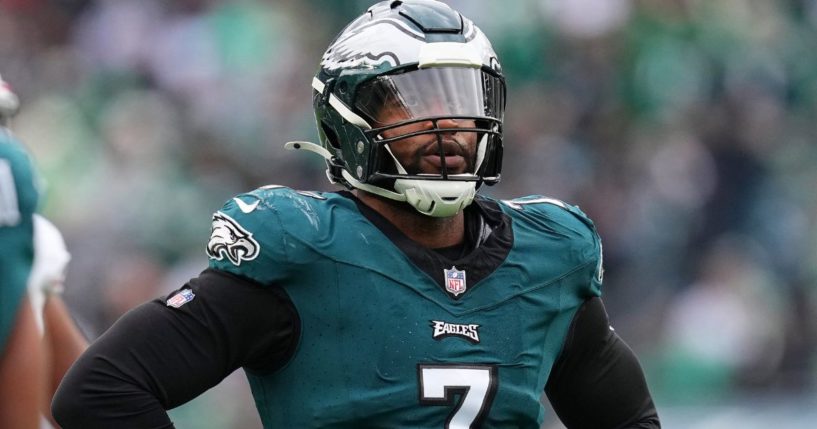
<point x="447" y="105"/>
<point x="408" y="72"/>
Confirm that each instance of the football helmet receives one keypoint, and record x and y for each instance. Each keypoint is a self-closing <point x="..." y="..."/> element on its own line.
<point x="427" y="62"/>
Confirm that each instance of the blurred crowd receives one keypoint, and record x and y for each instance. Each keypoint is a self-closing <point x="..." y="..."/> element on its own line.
<point x="685" y="128"/>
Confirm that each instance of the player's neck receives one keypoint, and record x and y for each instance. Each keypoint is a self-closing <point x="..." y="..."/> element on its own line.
<point x="431" y="232"/>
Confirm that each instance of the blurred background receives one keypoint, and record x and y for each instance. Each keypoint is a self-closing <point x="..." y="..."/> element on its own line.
<point x="685" y="128"/>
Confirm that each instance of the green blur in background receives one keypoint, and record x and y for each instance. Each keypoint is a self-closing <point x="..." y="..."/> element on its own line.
<point x="685" y="128"/>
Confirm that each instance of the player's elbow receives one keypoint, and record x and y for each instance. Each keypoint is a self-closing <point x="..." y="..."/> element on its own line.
<point x="81" y="399"/>
<point x="68" y="406"/>
<point x="96" y="394"/>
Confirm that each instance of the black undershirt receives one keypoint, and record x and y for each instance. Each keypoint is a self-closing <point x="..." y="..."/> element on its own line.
<point x="597" y="382"/>
<point x="454" y="252"/>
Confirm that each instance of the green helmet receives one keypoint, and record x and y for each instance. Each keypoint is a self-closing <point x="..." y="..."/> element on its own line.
<point x="434" y="65"/>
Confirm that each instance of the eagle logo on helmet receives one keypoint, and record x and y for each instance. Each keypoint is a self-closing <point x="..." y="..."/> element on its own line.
<point x="372" y="44"/>
<point x="229" y="239"/>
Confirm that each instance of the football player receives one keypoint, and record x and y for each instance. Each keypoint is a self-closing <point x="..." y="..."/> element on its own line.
<point x="22" y="382"/>
<point x="406" y="301"/>
<point x="33" y="252"/>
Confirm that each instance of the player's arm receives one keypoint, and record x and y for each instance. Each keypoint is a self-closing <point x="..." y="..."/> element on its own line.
<point x="157" y="357"/>
<point x="22" y="382"/>
<point x="597" y="381"/>
<point x="62" y="340"/>
<point x="63" y="343"/>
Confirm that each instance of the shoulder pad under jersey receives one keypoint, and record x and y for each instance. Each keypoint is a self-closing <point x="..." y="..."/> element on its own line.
<point x="250" y="237"/>
<point x="559" y="219"/>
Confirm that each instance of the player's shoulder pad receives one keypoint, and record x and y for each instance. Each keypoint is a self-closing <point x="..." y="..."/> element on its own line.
<point x="538" y="205"/>
<point x="556" y="217"/>
<point x="248" y="233"/>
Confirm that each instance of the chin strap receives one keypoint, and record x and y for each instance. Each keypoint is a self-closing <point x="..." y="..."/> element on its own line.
<point x="437" y="198"/>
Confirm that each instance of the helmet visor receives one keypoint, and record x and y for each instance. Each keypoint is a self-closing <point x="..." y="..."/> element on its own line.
<point x="432" y="92"/>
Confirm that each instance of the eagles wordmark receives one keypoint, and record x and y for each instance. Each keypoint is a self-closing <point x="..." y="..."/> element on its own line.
<point x="442" y="329"/>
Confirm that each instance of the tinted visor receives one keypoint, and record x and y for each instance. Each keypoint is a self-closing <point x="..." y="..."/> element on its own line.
<point x="432" y="92"/>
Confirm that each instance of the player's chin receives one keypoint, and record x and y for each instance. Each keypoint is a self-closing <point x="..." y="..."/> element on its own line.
<point x="433" y="164"/>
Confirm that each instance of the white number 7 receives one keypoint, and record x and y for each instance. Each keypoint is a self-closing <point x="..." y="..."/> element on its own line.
<point x="476" y="385"/>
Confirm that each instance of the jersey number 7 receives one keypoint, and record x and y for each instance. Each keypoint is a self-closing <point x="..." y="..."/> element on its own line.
<point x="475" y="384"/>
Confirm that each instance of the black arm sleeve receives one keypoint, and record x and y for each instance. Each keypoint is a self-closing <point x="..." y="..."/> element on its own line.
<point x="157" y="357"/>
<point x="597" y="381"/>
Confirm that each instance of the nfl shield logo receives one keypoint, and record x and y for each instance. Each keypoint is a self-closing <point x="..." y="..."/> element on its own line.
<point x="181" y="298"/>
<point x="455" y="281"/>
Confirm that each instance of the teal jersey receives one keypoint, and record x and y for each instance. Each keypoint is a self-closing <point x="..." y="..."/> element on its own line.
<point x="396" y="336"/>
<point x="18" y="201"/>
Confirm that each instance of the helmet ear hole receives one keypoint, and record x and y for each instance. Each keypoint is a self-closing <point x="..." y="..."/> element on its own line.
<point x="331" y="135"/>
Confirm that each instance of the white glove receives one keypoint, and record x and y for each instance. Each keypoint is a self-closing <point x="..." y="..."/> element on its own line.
<point x="48" y="271"/>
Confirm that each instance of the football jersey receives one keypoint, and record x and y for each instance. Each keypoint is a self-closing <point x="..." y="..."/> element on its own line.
<point x="18" y="200"/>
<point x="397" y="336"/>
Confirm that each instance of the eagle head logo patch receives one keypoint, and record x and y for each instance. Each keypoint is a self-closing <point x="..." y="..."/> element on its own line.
<point x="230" y="240"/>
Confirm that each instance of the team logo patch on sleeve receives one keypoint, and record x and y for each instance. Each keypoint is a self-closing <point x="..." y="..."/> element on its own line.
<point x="181" y="298"/>
<point x="230" y="240"/>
